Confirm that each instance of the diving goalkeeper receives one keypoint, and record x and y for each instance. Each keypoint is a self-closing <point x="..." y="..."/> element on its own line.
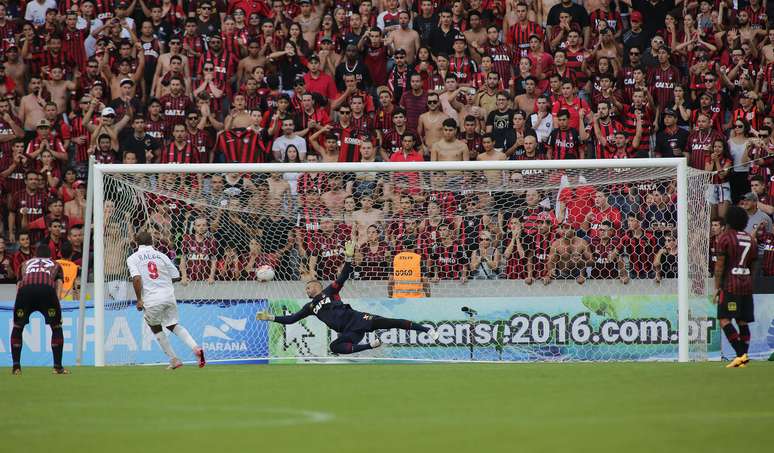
<point x="351" y="325"/>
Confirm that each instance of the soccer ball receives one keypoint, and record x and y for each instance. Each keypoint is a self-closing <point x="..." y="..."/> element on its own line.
<point x="264" y="273"/>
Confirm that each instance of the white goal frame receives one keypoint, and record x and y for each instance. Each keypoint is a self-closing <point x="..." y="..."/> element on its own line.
<point x="101" y="170"/>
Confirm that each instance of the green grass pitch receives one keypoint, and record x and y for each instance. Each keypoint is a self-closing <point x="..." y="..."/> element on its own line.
<point x="604" y="407"/>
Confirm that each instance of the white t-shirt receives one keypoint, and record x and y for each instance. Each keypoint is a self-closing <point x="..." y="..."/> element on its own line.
<point x="156" y="271"/>
<point x="281" y="144"/>
<point x="36" y="12"/>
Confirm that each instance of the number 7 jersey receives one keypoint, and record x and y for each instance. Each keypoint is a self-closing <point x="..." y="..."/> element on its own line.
<point x="740" y="250"/>
<point x="156" y="271"/>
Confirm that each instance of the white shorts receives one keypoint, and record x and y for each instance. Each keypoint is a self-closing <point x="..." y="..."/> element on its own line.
<point x="164" y="314"/>
<point x="718" y="193"/>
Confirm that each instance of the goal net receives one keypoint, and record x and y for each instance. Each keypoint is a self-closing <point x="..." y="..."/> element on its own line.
<point x="507" y="261"/>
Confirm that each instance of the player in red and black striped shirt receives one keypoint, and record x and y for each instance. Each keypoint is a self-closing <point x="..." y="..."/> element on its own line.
<point x="605" y="129"/>
<point x="175" y="104"/>
<point x="502" y="54"/>
<point x="26" y="205"/>
<point x="736" y="252"/>
<point x="39" y="287"/>
<point x="766" y="247"/>
<point x="662" y="80"/>
<point x="179" y="151"/>
<point x="519" y="33"/>
<point x="73" y="41"/>
<point x="450" y="262"/>
<point x="566" y="142"/>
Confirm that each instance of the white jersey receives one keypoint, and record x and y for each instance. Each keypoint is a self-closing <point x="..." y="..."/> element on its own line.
<point x="156" y="271"/>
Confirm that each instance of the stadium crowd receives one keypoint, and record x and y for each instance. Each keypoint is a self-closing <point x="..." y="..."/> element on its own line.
<point x="254" y="81"/>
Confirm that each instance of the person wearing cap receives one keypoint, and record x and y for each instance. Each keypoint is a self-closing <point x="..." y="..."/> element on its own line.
<point x="126" y="103"/>
<point x="45" y="141"/>
<point x="670" y="140"/>
<point x="404" y="38"/>
<point x="635" y="37"/>
<point x="756" y="218"/>
<point x="654" y="11"/>
<point x="317" y="81"/>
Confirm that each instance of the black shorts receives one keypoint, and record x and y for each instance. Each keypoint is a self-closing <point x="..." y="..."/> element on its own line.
<point x="736" y="306"/>
<point x="360" y="322"/>
<point x="32" y="298"/>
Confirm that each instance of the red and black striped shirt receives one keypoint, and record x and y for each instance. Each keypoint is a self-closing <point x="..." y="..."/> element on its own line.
<point x="348" y="141"/>
<point x="33" y="205"/>
<point x="73" y="46"/>
<point x="174" y="109"/>
<point x="449" y="261"/>
<point x="462" y="67"/>
<point x="740" y="250"/>
<point x="245" y="146"/>
<point x="565" y="144"/>
<point x="518" y="36"/>
<point x="662" y="84"/>
<point x="201" y="142"/>
<point x="173" y="154"/>
<point x="503" y="59"/>
<point x="40" y="271"/>
<point x="608" y="132"/>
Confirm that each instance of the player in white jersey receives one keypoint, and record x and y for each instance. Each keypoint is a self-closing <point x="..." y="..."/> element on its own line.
<point x="152" y="275"/>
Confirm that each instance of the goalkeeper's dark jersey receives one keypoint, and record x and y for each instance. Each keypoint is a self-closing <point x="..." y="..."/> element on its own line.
<point x="329" y="308"/>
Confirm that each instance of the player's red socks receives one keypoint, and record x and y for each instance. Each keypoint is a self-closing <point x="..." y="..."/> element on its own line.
<point x="744" y="337"/>
<point x="57" y="343"/>
<point x="733" y="338"/>
<point x="16" y="345"/>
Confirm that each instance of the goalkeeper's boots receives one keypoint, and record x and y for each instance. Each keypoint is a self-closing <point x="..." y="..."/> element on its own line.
<point x="737" y="362"/>
<point x="199" y="353"/>
<point x="60" y="370"/>
<point x="16" y="370"/>
<point x="174" y="364"/>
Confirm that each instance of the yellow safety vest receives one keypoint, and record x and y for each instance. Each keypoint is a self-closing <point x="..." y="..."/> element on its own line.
<point x="407" y="275"/>
<point x="69" y="271"/>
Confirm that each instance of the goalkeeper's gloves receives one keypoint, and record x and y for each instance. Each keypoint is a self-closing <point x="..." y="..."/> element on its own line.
<point x="264" y="316"/>
<point x="349" y="250"/>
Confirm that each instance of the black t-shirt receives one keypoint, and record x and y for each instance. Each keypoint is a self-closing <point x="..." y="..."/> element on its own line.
<point x="440" y="42"/>
<point x="139" y="146"/>
<point x="275" y="233"/>
<point x="666" y="144"/>
<point x="576" y="12"/>
<point x="500" y="122"/>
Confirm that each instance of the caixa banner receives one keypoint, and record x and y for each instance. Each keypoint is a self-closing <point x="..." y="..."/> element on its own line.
<point x="225" y="328"/>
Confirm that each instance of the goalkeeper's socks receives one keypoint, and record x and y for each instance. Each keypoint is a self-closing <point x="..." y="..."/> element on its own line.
<point x="161" y="337"/>
<point x="16" y="345"/>
<point x="733" y="338"/>
<point x="57" y="343"/>
<point x="183" y="334"/>
<point x="744" y="337"/>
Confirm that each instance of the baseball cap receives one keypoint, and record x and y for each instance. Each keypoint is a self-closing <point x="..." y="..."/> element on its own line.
<point x="670" y="112"/>
<point x="459" y="37"/>
<point x="108" y="111"/>
<point x="750" y="196"/>
<point x="44" y="123"/>
<point x="314" y="57"/>
<point x="124" y="81"/>
<point x="326" y="38"/>
<point x="635" y="16"/>
<point x="78" y="183"/>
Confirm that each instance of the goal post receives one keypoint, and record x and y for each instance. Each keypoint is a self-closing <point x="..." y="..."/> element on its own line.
<point x="130" y="193"/>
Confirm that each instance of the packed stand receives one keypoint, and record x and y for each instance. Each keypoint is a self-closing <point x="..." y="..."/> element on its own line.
<point x="254" y="81"/>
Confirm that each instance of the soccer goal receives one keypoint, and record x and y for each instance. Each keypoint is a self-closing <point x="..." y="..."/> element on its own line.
<point x="583" y="260"/>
